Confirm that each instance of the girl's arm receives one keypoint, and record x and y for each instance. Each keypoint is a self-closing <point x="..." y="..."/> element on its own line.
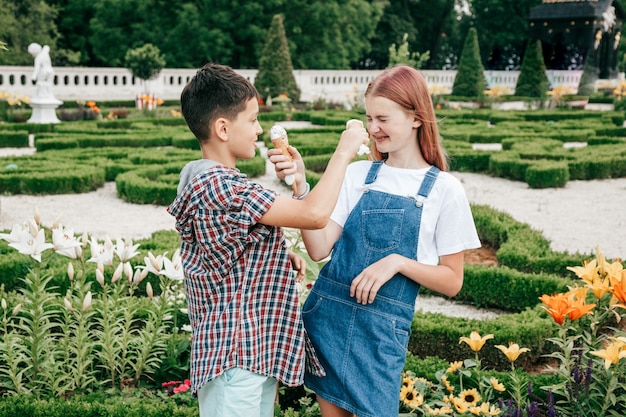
<point x="445" y="278"/>
<point x="319" y="243"/>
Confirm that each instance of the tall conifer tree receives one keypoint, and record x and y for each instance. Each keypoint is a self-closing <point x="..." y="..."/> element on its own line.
<point x="532" y="80"/>
<point x="470" y="75"/>
<point x="275" y="74"/>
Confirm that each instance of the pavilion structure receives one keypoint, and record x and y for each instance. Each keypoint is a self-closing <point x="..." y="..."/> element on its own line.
<point x="574" y="31"/>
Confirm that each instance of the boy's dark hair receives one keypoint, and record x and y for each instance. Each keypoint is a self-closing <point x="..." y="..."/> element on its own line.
<point x="215" y="91"/>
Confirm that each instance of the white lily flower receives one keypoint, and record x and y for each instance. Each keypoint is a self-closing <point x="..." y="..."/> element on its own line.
<point x="19" y="233"/>
<point x="56" y="223"/>
<point x="68" y="304"/>
<point x="34" y="246"/>
<point x="153" y="264"/>
<point x="128" y="271"/>
<point x="87" y="301"/>
<point x="64" y="241"/>
<point x="118" y="273"/>
<point x="100" y="277"/>
<point x="138" y="277"/>
<point x="70" y="270"/>
<point x="101" y="253"/>
<point x="33" y="227"/>
<point x="149" y="291"/>
<point x="36" y="216"/>
<point x="3" y="304"/>
<point x="173" y="269"/>
<point x="17" y="309"/>
<point x="125" y="250"/>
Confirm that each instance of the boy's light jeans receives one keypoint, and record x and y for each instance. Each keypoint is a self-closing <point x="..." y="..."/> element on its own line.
<point x="238" y="393"/>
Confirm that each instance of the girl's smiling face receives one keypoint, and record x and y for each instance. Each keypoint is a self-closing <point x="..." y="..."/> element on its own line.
<point x="391" y="127"/>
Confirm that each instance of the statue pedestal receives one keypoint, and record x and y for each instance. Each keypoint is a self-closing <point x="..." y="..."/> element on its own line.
<point x="44" y="110"/>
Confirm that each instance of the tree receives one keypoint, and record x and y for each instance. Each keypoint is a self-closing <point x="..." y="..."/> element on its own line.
<point x="587" y="82"/>
<point x="532" y="81"/>
<point x="73" y="45"/>
<point x="331" y="34"/>
<point x="402" y="55"/>
<point x="23" y="22"/>
<point x="145" y="62"/>
<point x="275" y="74"/>
<point x="430" y="25"/>
<point x="470" y="75"/>
<point x="502" y="26"/>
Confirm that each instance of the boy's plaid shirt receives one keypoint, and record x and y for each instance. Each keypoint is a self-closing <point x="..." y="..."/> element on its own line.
<point x="241" y="295"/>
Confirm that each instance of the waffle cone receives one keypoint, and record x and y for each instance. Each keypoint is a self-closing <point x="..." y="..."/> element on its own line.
<point x="282" y="142"/>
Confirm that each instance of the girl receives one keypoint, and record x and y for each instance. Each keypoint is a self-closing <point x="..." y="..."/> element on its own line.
<point x="401" y="222"/>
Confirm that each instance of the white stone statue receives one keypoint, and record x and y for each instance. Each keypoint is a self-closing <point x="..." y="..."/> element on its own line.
<point x="43" y="73"/>
<point x="43" y="102"/>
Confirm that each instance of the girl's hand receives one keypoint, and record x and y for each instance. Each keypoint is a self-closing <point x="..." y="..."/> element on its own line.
<point x="298" y="263"/>
<point x="366" y="285"/>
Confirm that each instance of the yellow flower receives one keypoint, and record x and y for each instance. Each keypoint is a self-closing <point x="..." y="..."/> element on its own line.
<point x="487" y="409"/>
<point x="454" y="366"/>
<point x="476" y="342"/>
<point x="470" y="396"/>
<point x="612" y="354"/>
<point x="414" y="400"/>
<point x="441" y="411"/>
<point x="497" y="385"/>
<point x="513" y="351"/>
<point x="460" y="406"/>
<point x="588" y="272"/>
<point x="447" y="384"/>
<point x="405" y="391"/>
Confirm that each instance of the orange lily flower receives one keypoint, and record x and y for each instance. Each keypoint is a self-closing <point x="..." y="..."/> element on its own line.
<point x="619" y="286"/>
<point x="557" y="306"/>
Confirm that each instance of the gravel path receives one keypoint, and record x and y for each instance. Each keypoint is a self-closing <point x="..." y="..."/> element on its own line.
<point x="575" y="218"/>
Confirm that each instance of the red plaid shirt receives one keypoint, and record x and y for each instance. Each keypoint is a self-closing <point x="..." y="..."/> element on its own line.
<point x="241" y="295"/>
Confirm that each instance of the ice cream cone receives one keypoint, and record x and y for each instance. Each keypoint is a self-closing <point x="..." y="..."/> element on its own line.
<point x="279" y="138"/>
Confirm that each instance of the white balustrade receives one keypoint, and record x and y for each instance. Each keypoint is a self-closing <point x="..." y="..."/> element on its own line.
<point x="342" y="87"/>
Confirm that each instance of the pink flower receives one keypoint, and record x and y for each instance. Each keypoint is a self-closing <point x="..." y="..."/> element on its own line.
<point x="183" y="387"/>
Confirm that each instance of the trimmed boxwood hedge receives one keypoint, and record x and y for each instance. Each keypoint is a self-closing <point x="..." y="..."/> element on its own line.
<point x="39" y="176"/>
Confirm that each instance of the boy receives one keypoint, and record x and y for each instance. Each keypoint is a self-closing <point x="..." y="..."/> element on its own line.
<point x="247" y="332"/>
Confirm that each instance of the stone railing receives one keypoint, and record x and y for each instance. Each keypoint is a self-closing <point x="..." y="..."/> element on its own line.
<point x="343" y="87"/>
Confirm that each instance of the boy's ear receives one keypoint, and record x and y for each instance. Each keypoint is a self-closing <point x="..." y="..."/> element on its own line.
<point x="221" y="128"/>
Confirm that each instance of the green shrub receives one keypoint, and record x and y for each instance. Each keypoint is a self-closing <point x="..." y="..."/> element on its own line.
<point x="548" y="174"/>
<point x="438" y="335"/>
<point x="14" y="139"/>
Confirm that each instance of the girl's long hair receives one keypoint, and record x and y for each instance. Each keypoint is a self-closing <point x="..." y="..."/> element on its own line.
<point x="406" y="86"/>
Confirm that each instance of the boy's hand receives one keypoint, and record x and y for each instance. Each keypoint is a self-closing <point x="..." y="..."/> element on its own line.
<point x="284" y="167"/>
<point x="298" y="264"/>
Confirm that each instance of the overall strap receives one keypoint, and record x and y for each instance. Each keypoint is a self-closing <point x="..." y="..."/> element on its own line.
<point x="427" y="185"/>
<point x="373" y="172"/>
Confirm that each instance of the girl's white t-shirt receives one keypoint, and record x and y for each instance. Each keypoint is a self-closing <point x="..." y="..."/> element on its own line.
<point x="447" y="224"/>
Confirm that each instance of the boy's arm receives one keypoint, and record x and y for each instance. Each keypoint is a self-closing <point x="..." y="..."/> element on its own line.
<point x="313" y="212"/>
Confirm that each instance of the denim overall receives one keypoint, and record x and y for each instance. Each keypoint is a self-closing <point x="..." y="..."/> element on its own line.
<point x="363" y="347"/>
